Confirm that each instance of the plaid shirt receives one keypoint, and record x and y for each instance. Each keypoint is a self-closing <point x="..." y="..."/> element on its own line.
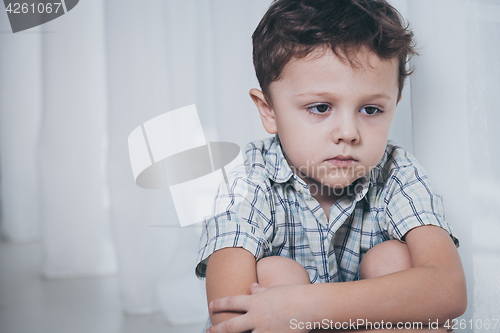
<point x="269" y="211"/>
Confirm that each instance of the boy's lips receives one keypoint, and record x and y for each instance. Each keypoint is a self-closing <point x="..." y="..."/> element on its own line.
<point x="342" y="160"/>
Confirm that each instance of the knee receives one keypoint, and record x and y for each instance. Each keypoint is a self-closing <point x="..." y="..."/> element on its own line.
<point x="275" y="270"/>
<point x="385" y="258"/>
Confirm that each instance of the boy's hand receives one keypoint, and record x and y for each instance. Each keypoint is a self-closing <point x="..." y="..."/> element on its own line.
<point x="266" y="310"/>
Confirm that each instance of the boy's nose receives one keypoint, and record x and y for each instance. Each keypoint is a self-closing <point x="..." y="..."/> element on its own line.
<point x="345" y="128"/>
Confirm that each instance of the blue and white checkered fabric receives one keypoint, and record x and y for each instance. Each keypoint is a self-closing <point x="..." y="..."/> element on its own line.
<point x="269" y="211"/>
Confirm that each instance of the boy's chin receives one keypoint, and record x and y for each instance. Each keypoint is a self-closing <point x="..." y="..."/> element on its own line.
<point x="337" y="185"/>
<point x="341" y="184"/>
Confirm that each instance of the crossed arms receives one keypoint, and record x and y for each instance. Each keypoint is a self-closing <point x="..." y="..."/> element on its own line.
<point x="433" y="289"/>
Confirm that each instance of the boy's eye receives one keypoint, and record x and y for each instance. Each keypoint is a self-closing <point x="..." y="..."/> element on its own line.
<point x="371" y="110"/>
<point x="319" y="108"/>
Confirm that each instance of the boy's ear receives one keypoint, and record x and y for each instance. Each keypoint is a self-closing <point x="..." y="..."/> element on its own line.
<point x="265" y="110"/>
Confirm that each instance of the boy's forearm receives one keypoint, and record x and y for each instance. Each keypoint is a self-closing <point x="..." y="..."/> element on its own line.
<point x="433" y="290"/>
<point x="371" y="301"/>
<point x="419" y="296"/>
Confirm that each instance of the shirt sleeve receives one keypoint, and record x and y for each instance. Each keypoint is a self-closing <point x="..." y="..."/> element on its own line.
<point x="411" y="202"/>
<point x="241" y="213"/>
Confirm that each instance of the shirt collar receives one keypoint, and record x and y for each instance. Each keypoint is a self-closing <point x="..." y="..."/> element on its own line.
<point x="277" y="167"/>
<point x="370" y="179"/>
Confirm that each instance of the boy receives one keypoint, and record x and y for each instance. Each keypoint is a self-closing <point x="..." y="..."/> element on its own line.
<point x="329" y="199"/>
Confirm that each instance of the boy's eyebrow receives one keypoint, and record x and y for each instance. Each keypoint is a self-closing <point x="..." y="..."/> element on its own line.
<point x="331" y="95"/>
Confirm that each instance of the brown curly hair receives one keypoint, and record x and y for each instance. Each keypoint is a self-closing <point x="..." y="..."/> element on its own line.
<point x="294" y="28"/>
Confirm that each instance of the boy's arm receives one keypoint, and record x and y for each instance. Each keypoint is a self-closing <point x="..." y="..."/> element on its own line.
<point x="230" y="271"/>
<point x="434" y="289"/>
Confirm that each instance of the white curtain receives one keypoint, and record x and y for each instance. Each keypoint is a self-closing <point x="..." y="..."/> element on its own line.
<point x="20" y="112"/>
<point x="71" y="92"/>
<point x="454" y="99"/>
<point x="72" y="146"/>
<point x="73" y="89"/>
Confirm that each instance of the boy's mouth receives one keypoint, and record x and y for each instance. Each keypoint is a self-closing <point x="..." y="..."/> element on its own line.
<point x="342" y="161"/>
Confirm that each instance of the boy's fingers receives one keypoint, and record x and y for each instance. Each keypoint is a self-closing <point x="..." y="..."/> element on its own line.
<point x="234" y="325"/>
<point x="233" y="303"/>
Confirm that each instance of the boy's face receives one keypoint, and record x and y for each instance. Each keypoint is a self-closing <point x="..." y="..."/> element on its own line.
<point x="333" y="118"/>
